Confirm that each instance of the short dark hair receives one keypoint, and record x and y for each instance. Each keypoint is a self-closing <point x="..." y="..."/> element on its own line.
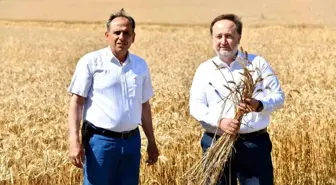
<point x="231" y="17"/>
<point x="120" y="13"/>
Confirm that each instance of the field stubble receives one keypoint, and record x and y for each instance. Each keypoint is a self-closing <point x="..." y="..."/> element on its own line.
<point x="38" y="60"/>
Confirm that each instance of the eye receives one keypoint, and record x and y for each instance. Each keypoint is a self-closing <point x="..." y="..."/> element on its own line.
<point x="117" y="32"/>
<point x="229" y="36"/>
<point x="218" y="36"/>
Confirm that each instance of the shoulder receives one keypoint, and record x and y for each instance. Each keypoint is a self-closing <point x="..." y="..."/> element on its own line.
<point x="204" y="68"/>
<point x="208" y="64"/>
<point x="92" y="59"/>
<point x="93" y="56"/>
<point x="137" y="59"/>
<point x="252" y="57"/>
<point x="257" y="61"/>
<point x="138" y="62"/>
<point x="89" y="61"/>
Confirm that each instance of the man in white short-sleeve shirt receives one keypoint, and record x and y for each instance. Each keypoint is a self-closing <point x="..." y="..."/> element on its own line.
<point x="110" y="91"/>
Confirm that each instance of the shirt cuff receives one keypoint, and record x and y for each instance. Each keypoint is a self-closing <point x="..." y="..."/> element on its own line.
<point x="265" y="105"/>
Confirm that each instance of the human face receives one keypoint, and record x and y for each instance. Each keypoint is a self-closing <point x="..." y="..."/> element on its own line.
<point x="120" y="36"/>
<point x="225" y="39"/>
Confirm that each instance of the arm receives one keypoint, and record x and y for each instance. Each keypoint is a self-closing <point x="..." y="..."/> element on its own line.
<point x="76" y="153"/>
<point x="275" y="97"/>
<point x="79" y="88"/>
<point x="198" y="102"/>
<point x="146" y="119"/>
<point x="147" y="125"/>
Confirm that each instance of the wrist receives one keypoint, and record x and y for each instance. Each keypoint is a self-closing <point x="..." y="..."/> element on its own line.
<point x="260" y="106"/>
<point x="151" y="141"/>
<point x="74" y="138"/>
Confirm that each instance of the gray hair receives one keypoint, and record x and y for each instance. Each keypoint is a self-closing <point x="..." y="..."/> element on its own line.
<point x="120" y="13"/>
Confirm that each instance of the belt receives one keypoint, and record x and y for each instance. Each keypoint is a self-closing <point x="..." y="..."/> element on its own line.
<point x="108" y="133"/>
<point x="252" y="134"/>
<point x="243" y="136"/>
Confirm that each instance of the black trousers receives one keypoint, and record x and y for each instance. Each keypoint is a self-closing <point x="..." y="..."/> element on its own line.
<point x="250" y="162"/>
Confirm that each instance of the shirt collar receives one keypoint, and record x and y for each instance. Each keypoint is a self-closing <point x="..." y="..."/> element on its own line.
<point x="222" y="64"/>
<point x="110" y="56"/>
<point x="219" y="63"/>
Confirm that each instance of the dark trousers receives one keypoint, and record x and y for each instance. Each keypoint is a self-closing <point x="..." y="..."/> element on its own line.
<point x="250" y="161"/>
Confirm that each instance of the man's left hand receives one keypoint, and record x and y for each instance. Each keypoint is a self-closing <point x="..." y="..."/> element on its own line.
<point x="249" y="105"/>
<point x="153" y="153"/>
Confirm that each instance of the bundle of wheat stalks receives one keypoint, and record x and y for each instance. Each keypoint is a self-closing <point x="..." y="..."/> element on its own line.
<point x="208" y="170"/>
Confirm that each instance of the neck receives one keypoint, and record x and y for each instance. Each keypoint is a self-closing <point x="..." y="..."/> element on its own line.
<point x="227" y="60"/>
<point x="121" y="56"/>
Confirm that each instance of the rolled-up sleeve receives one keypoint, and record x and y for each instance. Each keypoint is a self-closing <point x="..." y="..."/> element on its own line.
<point x="147" y="88"/>
<point x="82" y="79"/>
<point x="198" y="102"/>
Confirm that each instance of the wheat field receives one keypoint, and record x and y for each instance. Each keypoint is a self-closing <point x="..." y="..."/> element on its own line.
<point x="39" y="58"/>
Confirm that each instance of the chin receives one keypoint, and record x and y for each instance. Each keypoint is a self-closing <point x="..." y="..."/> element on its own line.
<point x="226" y="54"/>
<point x="120" y="48"/>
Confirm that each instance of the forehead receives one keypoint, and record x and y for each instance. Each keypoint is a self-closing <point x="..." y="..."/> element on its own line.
<point x="120" y="23"/>
<point x="224" y="26"/>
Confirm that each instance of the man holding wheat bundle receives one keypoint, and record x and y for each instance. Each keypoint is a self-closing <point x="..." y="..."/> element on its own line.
<point x="220" y="100"/>
<point x="110" y="92"/>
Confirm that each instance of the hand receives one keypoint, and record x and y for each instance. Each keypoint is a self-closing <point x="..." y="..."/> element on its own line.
<point x="153" y="153"/>
<point x="249" y="105"/>
<point x="76" y="154"/>
<point x="230" y="126"/>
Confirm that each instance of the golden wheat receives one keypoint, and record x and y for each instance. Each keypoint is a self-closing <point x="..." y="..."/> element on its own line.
<point x="38" y="60"/>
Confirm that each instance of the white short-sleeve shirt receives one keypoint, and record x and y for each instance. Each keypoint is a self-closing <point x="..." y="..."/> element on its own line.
<point x="114" y="93"/>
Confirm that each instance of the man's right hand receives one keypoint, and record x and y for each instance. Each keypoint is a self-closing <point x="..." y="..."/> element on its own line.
<point x="229" y="126"/>
<point x="76" y="154"/>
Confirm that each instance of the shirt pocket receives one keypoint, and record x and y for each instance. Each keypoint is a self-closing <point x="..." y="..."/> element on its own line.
<point x="103" y="82"/>
<point x="134" y="87"/>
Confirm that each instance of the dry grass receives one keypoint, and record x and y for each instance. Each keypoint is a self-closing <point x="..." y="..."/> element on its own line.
<point x="38" y="60"/>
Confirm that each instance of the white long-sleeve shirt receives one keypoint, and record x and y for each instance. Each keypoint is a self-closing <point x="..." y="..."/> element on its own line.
<point x="208" y="94"/>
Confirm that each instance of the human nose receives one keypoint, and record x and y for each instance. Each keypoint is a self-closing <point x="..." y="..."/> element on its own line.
<point x="223" y="40"/>
<point x="122" y="36"/>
